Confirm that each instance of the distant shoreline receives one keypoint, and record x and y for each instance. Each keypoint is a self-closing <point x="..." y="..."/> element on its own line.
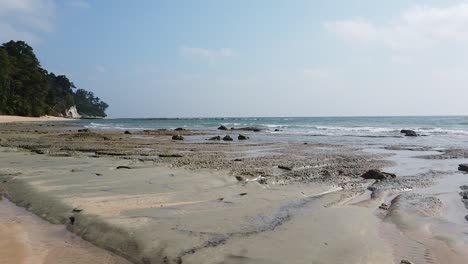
<point x="12" y="118"/>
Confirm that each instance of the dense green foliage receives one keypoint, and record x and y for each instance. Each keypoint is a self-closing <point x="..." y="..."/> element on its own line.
<point x="27" y="89"/>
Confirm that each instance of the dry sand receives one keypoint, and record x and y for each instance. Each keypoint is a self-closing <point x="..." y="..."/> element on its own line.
<point x="10" y="119"/>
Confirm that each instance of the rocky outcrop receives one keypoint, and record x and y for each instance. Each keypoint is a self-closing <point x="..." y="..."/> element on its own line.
<point x="378" y="175"/>
<point x="463" y="167"/>
<point x="177" y="137"/>
<point x="222" y="128"/>
<point x="242" y="137"/>
<point x="227" y="138"/>
<point x="409" y="133"/>
<point x="72" y="113"/>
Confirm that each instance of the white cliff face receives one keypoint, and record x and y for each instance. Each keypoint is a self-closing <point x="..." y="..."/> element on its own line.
<point x="72" y="113"/>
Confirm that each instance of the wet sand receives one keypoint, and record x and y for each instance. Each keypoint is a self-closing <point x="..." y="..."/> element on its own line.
<point x="27" y="239"/>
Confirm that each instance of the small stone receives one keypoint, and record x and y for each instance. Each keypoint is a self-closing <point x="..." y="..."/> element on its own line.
<point x="215" y="138"/>
<point x="463" y="167"/>
<point x="242" y="137"/>
<point x="378" y="175"/>
<point x="242" y="194"/>
<point x="222" y="128"/>
<point x="240" y="178"/>
<point x="227" y="138"/>
<point x="179" y="129"/>
<point x="405" y="261"/>
<point x="123" y="167"/>
<point x="283" y="167"/>
<point x="127" y="132"/>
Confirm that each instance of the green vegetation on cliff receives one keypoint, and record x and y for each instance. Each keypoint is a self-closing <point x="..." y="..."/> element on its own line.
<point x="27" y="89"/>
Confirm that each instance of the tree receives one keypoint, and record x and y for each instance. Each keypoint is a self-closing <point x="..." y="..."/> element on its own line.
<point x="29" y="90"/>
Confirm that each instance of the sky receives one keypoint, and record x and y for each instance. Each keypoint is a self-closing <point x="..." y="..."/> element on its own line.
<point x="212" y="58"/>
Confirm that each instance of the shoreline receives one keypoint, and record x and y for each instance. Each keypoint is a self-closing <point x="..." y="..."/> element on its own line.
<point x="15" y="119"/>
<point x="153" y="200"/>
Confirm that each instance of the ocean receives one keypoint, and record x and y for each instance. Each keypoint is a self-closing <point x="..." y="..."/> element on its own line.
<point x="435" y="131"/>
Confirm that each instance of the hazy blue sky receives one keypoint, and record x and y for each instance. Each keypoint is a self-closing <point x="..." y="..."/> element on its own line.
<point x="254" y="58"/>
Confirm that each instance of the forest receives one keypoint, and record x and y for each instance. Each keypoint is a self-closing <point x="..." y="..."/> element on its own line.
<point x="26" y="89"/>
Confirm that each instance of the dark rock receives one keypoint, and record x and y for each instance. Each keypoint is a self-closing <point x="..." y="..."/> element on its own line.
<point x="222" y="128"/>
<point x="240" y="178"/>
<point x="238" y="160"/>
<point x="384" y="206"/>
<point x="409" y="133"/>
<point x="405" y="261"/>
<point x="77" y="210"/>
<point x="463" y="167"/>
<point x="466" y="217"/>
<point x="83" y="130"/>
<point x="277" y="130"/>
<point x="98" y="174"/>
<point x="179" y="129"/>
<point x="242" y="137"/>
<point x="254" y="129"/>
<point x="170" y="156"/>
<point x="123" y="167"/>
<point x="464" y="187"/>
<point x="378" y="175"/>
<point x="127" y="132"/>
<point x="227" y="138"/>
<point x="262" y="181"/>
<point x="215" y="138"/>
<point x="242" y="194"/>
<point x="285" y="167"/>
<point x="177" y="137"/>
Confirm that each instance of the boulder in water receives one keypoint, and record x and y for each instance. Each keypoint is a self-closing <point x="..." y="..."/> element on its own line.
<point x="409" y="133"/>
<point x="222" y="128"/>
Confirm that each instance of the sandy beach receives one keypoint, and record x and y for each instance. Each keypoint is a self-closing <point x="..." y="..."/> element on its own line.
<point x="149" y="199"/>
<point x="11" y="118"/>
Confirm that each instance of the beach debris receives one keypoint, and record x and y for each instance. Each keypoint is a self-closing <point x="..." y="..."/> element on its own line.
<point x="177" y="137"/>
<point x="463" y="167"/>
<point x="227" y="138"/>
<point x="179" y="129"/>
<point x="242" y="137"/>
<point x="242" y="194"/>
<point x="222" y="128"/>
<point x="378" y="175"/>
<point x="405" y="261"/>
<point x="123" y="167"/>
<point x="284" y="167"/>
<point x="215" y="138"/>
<point x="384" y="206"/>
<point x="127" y="132"/>
<point x="409" y="133"/>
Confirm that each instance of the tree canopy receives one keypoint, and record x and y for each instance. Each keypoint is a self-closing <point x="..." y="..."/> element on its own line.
<point x="27" y="89"/>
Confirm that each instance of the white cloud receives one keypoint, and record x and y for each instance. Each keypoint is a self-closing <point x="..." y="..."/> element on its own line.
<point x="211" y="55"/>
<point x="416" y="27"/>
<point x="24" y="19"/>
<point x="79" y="4"/>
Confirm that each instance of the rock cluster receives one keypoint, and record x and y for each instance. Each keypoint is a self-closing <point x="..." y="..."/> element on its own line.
<point x="378" y="175"/>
